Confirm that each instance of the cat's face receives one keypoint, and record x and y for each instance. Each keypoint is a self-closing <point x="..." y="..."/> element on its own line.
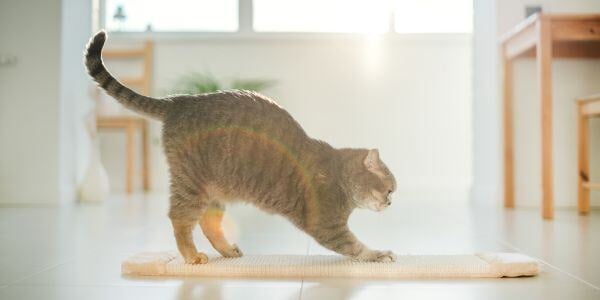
<point x="373" y="183"/>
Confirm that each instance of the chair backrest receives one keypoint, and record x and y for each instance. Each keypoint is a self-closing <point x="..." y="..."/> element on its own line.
<point x="589" y="106"/>
<point x="143" y="82"/>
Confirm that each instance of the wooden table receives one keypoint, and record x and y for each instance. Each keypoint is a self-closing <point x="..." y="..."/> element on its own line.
<point x="543" y="36"/>
<point x="130" y="124"/>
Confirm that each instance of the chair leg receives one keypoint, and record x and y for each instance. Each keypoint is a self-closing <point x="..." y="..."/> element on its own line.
<point x="583" y="197"/>
<point x="145" y="156"/>
<point x="129" y="157"/>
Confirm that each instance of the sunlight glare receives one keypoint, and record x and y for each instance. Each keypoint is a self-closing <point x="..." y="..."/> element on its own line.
<point x="434" y="16"/>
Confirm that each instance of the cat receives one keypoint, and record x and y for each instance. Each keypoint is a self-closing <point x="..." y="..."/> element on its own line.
<point x="225" y="146"/>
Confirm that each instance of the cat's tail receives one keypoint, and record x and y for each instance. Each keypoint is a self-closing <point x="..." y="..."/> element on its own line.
<point x="149" y="106"/>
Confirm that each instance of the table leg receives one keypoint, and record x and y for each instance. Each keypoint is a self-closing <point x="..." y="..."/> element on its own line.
<point x="509" y="189"/>
<point x="544" y="69"/>
<point x="145" y="156"/>
<point x="583" y="194"/>
<point x="129" y="157"/>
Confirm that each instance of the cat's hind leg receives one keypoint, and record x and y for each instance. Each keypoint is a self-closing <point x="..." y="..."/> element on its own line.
<point x="211" y="226"/>
<point x="184" y="212"/>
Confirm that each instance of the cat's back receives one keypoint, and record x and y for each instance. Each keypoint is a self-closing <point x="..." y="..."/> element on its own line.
<point x="230" y="110"/>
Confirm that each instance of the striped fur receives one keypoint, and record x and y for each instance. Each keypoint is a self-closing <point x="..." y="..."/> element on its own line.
<point x="149" y="106"/>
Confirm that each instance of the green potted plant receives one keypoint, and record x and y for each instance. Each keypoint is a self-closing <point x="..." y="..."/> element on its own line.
<point x="200" y="83"/>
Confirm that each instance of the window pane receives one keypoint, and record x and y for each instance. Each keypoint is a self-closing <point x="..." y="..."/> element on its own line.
<point x="172" y="15"/>
<point x="321" y="15"/>
<point x="429" y="16"/>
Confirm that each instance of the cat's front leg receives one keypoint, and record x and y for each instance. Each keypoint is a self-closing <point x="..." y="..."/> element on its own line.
<point x="340" y="239"/>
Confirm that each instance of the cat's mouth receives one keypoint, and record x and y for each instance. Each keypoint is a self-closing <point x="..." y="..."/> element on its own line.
<point x="378" y="206"/>
<point x="382" y="206"/>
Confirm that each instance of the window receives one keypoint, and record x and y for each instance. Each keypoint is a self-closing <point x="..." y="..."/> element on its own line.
<point x="321" y="15"/>
<point x="410" y="16"/>
<point x="336" y="16"/>
<point x="172" y="15"/>
<point x="433" y="16"/>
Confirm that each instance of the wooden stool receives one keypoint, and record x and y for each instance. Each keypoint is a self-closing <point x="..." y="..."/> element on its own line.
<point x="587" y="108"/>
<point x="131" y="124"/>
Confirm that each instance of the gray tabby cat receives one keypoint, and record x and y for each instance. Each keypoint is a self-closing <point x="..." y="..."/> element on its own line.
<point x="233" y="145"/>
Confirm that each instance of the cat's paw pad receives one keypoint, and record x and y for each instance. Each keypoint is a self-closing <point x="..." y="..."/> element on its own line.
<point x="198" y="259"/>
<point x="377" y="256"/>
<point x="233" y="252"/>
<point x="385" y="256"/>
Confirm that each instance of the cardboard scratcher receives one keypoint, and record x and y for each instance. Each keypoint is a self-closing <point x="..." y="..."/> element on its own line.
<point x="484" y="265"/>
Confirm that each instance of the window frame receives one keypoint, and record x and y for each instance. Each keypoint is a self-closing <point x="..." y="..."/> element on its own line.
<point x="246" y="30"/>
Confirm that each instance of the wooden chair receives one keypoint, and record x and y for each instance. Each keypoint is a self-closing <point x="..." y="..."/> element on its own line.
<point x="587" y="107"/>
<point x="131" y="124"/>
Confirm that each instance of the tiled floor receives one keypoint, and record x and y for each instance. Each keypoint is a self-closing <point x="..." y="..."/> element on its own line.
<point x="74" y="252"/>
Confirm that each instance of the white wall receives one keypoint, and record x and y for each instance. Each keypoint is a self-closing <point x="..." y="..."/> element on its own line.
<point x="29" y="101"/>
<point x="43" y="98"/>
<point x="571" y="78"/>
<point x="76" y="103"/>
<point x="487" y="169"/>
<point x="409" y="97"/>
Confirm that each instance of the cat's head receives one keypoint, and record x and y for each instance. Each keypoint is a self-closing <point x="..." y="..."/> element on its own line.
<point x="370" y="181"/>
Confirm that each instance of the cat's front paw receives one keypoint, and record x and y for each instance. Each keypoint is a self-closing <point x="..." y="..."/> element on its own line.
<point x="198" y="259"/>
<point x="234" y="251"/>
<point x="376" y="256"/>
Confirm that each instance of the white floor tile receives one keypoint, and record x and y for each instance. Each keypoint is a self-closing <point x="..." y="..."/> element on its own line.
<point x="75" y="251"/>
<point x="554" y="286"/>
<point x="181" y="291"/>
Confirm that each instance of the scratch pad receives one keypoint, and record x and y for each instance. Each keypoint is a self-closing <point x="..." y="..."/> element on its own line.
<point x="485" y="265"/>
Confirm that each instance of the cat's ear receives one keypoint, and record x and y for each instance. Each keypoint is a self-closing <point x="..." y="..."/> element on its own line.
<point x="371" y="161"/>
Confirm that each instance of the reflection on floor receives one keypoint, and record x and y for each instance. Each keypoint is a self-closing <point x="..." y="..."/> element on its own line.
<point x="74" y="252"/>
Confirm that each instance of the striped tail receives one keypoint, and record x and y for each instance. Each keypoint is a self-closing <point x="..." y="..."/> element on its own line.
<point x="149" y="106"/>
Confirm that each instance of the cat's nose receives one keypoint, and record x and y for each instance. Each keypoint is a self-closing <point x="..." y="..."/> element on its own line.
<point x="388" y="203"/>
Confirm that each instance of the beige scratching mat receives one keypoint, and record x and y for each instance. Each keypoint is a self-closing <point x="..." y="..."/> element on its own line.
<point x="490" y="265"/>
